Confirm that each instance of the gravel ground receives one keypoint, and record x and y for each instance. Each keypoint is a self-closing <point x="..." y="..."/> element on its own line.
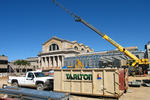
<point x="141" y="93"/>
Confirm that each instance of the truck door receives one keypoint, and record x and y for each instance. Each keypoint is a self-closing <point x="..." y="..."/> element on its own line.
<point x="30" y="79"/>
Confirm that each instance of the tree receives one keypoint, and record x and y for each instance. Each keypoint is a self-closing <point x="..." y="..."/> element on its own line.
<point x="26" y="63"/>
<point x="3" y="55"/>
<point x="21" y="63"/>
<point x="18" y="63"/>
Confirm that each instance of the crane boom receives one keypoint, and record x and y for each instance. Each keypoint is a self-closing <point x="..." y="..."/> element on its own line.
<point x="104" y="36"/>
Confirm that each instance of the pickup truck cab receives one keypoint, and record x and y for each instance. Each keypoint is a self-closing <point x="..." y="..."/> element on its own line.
<point x="32" y="79"/>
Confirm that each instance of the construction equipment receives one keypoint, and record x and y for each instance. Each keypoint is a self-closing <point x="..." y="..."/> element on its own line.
<point x="79" y="64"/>
<point x="135" y="60"/>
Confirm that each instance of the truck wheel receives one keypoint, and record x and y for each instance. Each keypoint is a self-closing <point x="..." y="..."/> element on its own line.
<point x="40" y="86"/>
<point x="15" y="84"/>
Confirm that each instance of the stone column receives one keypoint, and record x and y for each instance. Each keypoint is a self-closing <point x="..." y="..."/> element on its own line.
<point x="54" y="61"/>
<point x="50" y="61"/>
<point x="57" y="57"/>
<point x="51" y="58"/>
<point x="57" y="61"/>
<point x="63" y="60"/>
<point x="46" y="62"/>
<point x="39" y="62"/>
<point x="42" y="61"/>
<point x="60" y="61"/>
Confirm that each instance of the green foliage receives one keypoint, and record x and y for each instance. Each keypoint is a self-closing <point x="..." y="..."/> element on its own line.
<point x="21" y="62"/>
<point x="3" y="55"/>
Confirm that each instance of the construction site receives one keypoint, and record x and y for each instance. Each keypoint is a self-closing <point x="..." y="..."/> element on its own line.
<point x="73" y="71"/>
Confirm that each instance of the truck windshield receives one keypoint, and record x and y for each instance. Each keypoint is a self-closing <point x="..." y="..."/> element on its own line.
<point x="39" y="74"/>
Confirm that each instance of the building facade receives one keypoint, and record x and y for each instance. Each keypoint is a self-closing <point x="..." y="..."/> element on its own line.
<point x="33" y="65"/>
<point x="55" y="50"/>
<point x="57" y="53"/>
<point x="3" y="63"/>
<point x="33" y="62"/>
<point x="147" y="53"/>
<point x="113" y="58"/>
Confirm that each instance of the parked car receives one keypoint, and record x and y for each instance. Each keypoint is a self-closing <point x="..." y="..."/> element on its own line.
<point x="32" y="79"/>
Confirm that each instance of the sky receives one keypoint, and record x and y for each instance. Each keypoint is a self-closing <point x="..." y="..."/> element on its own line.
<point x="26" y="24"/>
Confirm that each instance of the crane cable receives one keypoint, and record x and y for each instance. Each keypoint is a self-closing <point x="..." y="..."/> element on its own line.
<point x="66" y="10"/>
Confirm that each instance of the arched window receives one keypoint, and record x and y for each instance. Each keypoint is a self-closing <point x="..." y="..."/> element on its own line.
<point x="53" y="47"/>
<point x="76" y="48"/>
<point x="87" y="50"/>
<point x="82" y="49"/>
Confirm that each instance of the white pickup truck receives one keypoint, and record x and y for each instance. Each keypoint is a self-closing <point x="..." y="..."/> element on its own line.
<point x="32" y="79"/>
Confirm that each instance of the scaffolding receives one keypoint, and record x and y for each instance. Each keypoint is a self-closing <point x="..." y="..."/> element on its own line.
<point x="95" y="61"/>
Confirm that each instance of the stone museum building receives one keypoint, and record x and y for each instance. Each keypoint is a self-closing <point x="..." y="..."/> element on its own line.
<point x="57" y="53"/>
<point x="55" y="50"/>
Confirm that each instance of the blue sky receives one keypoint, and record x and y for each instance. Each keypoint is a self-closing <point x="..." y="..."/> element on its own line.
<point x="26" y="24"/>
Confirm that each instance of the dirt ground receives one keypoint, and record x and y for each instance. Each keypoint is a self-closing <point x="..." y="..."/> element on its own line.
<point x="3" y="81"/>
<point x="137" y="93"/>
<point x="133" y="93"/>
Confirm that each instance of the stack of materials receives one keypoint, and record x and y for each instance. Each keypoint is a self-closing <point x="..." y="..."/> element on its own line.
<point x="146" y="82"/>
<point x="31" y="94"/>
<point x="136" y="83"/>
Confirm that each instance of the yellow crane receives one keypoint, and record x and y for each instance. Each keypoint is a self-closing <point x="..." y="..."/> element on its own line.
<point x="78" y="64"/>
<point x="135" y="61"/>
